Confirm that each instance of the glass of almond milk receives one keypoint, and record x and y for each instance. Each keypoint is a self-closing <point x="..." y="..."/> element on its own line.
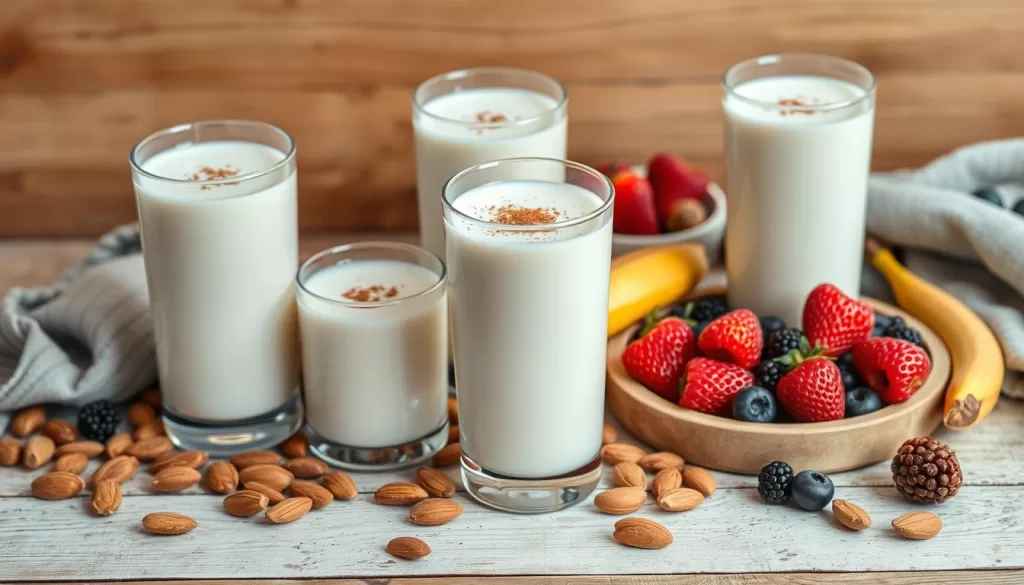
<point x="374" y="325"/>
<point x="798" y="131"/>
<point x="529" y="249"/>
<point x="468" y="117"/>
<point x="218" y="213"/>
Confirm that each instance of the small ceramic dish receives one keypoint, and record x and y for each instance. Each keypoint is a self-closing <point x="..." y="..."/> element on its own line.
<point x="709" y="233"/>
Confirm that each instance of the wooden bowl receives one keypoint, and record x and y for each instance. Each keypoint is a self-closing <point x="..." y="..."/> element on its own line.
<point x="744" y="447"/>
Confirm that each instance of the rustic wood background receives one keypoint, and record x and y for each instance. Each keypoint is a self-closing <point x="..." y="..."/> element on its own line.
<point x="82" y="80"/>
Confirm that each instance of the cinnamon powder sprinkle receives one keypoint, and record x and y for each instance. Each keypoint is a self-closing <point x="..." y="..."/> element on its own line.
<point x="517" y="215"/>
<point x="797" y="105"/>
<point x="213" y="174"/>
<point x="370" y="294"/>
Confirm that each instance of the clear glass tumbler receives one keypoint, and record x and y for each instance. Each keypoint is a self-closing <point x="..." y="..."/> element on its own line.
<point x="217" y="207"/>
<point x="798" y="131"/>
<point x="529" y="249"/>
<point x="373" y="318"/>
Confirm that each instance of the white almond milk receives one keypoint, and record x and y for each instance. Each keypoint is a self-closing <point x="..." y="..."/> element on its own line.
<point x="220" y="265"/>
<point x="529" y="314"/>
<point x="450" y="137"/>
<point x="797" y="190"/>
<point x="374" y="376"/>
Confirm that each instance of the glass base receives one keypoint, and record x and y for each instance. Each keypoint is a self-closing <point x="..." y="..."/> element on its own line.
<point x="378" y="458"/>
<point x="225" y="438"/>
<point x="530" y="496"/>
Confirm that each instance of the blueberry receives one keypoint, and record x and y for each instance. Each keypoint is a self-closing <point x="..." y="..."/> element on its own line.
<point x="845" y="360"/>
<point x="860" y="401"/>
<point x="850" y="378"/>
<point x="755" y="404"/>
<point x="989" y="194"/>
<point x="882" y="321"/>
<point x="812" y="490"/>
<point x="771" y="323"/>
<point x="1018" y="207"/>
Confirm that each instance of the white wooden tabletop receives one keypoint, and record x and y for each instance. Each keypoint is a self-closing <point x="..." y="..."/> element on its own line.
<point x="731" y="538"/>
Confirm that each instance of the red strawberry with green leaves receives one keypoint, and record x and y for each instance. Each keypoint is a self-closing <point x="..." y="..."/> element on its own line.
<point x="734" y="337"/>
<point x="894" y="368"/>
<point x="835" y="321"/>
<point x="657" y="359"/>
<point x="813" y="390"/>
<point x="634" y="205"/>
<point x="710" y="385"/>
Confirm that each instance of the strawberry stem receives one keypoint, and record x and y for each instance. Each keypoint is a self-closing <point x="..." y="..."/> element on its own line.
<point x="649" y="322"/>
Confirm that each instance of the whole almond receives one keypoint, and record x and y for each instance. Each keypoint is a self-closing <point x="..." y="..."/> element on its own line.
<point x="680" y="500"/>
<point x="152" y="429"/>
<point x="664" y="480"/>
<point x="151" y="448"/>
<point x="450" y="455"/>
<point x="289" y="510"/>
<point x="306" y="467"/>
<point x="628" y="474"/>
<point x="620" y="500"/>
<point x="167" y="523"/>
<point x="453" y="411"/>
<point x="699" y="479"/>
<point x="408" y="547"/>
<point x="151" y="397"/>
<point x="272" y="476"/>
<point x="38" y="451"/>
<point x="340" y="484"/>
<point x="851" y="515"/>
<point x="118" y="444"/>
<point x="60" y="431"/>
<point x="614" y="453"/>
<point x="435" y="511"/>
<point x="10" y="451"/>
<point x="320" y="495"/>
<point x="250" y="458"/>
<point x="28" y="421"/>
<point x="90" y="449"/>
<point x="274" y="496"/>
<point x="119" y="469"/>
<point x="296" y="445"/>
<point x="608" y="434"/>
<point x="221" y="477"/>
<point x="57" y="485"/>
<point x="175" y="479"/>
<point x="141" y="413"/>
<point x="399" y="493"/>
<point x="193" y="459"/>
<point x="918" y="525"/>
<point x="435" y="482"/>
<point x="71" y="463"/>
<point x="659" y="461"/>
<point x="642" y="533"/>
<point x="106" y="497"/>
<point x="245" y="503"/>
<point x="453" y="433"/>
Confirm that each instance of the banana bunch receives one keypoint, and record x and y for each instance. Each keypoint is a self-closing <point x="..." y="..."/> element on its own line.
<point x="978" y="368"/>
<point x="649" y="278"/>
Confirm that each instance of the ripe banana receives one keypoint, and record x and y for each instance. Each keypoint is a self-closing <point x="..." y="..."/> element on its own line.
<point x="978" y="368"/>
<point x="649" y="278"/>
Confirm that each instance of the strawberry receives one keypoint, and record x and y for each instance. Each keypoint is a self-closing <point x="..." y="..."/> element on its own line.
<point x="835" y="321"/>
<point x="813" y="391"/>
<point x="673" y="180"/>
<point x="634" y="205"/>
<point x="710" y="385"/>
<point x="894" y="368"/>
<point x="658" y="358"/>
<point x="734" y="337"/>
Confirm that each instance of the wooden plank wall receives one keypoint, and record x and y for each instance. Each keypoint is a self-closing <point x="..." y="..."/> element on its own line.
<point x="82" y="80"/>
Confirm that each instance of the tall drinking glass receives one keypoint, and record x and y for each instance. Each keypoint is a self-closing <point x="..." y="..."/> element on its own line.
<point x="217" y="208"/>
<point x="529" y="248"/>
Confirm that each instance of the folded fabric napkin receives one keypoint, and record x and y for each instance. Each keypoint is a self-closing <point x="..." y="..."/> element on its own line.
<point x="968" y="246"/>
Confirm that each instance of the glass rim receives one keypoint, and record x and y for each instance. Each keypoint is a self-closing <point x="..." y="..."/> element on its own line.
<point x="355" y="246"/>
<point x="730" y="89"/>
<point x="537" y="227"/>
<point x="288" y="156"/>
<point x="419" y="105"/>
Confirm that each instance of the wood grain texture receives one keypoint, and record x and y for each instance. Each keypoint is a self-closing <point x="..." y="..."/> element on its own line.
<point x="82" y="80"/>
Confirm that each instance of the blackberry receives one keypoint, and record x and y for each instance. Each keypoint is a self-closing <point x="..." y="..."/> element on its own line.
<point x="899" y="329"/>
<point x="773" y="483"/>
<point x="98" y="420"/>
<point x="708" y="308"/>
<point x="782" y="342"/>
<point x="767" y="374"/>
